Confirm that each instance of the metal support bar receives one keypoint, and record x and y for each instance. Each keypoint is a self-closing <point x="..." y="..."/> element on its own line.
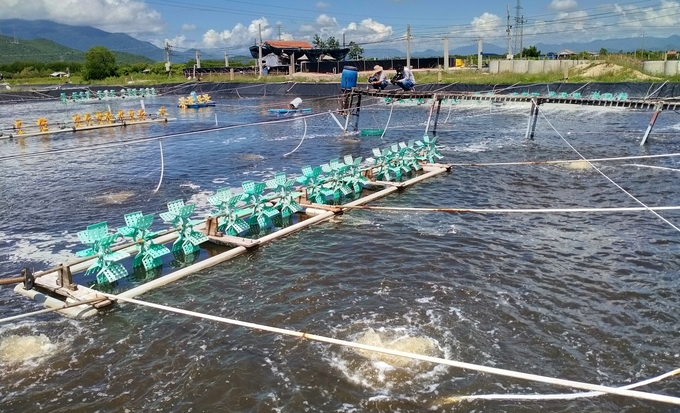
<point x="535" y="121"/>
<point x="356" y="114"/>
<point x="26" y="277"/>
<point x="348" y="110"/>
<point x="429" y="116"/>
<point x="657" y="111"/>
<point x="436" y="117"/>
<point x="533" y="117"/>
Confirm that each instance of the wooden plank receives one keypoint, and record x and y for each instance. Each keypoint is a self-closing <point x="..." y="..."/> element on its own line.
<point x="231" y="240"/>
<point x="49" y="282"/>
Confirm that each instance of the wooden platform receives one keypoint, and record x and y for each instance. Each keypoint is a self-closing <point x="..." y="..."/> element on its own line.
<point x="503" y="98"/>
<point x="83" y="128"/>
<point x="49" y="281"/>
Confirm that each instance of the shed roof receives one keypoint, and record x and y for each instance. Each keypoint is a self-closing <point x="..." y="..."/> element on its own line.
<point x="289" y="44"/>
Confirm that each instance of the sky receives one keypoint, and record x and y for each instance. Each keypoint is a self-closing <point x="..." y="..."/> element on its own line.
<point x="233" y="26"/>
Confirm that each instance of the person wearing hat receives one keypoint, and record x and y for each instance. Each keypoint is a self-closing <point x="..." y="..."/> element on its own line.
<point x="404" y="78"/>
<point x="378" y="79"/>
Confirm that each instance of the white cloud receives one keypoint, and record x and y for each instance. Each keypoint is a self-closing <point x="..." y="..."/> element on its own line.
<point x="188" y="27"/>
<point x="325" y="21"/>
<point x="133" y="17"/>
<point x="322" y="5"/>
<point x="563" y="5"/>
<point x="239" y="36"/>
<point x="487" y="25"/>
<point x="366" y="31"/>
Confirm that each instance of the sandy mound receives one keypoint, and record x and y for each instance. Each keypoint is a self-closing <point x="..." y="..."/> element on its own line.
<point x="602" y="69"/>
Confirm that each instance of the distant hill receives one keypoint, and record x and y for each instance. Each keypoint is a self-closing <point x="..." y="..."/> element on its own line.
<point x="612" y="45"/>
<point x="84" y="38"/>
<point x="46" y="51"/>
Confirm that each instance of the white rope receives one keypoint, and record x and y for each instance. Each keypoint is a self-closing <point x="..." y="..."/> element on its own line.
<point x="437" y="360"/>
<point x="162" y="167"/>
<point x="511" y="211"/>
<point x="622" y="158"/>
<point x="563" y="396"/>
<point x="652" y="167"/>
<point x="303" y="139"/>
<point x="449" y="114"/>
<point x="388" y="121"/>
<point x="649" y="95"/>
<point x="587" y="83"/>
<point x="605" y="176"/>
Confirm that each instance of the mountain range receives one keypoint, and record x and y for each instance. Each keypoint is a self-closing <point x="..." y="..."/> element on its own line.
<point x="68" y="40"/>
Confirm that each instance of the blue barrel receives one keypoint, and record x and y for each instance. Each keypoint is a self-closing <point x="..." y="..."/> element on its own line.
<point x="349" y="77"/>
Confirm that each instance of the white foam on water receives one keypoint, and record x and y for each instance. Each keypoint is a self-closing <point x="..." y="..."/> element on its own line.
<point x="189" y="185"/>
<point x="385" y="372"/>
<point x="16" y="349"/>
<point x="576" y="165"/>
<point x="36" y="246"/>
<point x="114" y="197"/>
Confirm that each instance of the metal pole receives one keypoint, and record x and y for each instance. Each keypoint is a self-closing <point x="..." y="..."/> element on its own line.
<point x="531" y="117"/>
<point x="535" y="120"/>
<point x="259" y="55"/>
<point x="429" y="117"/>
<point x="446" y="53"/>
<point x="479" y="54"/>
<point x="652" y="121"/>
<point x="408" y="46"/>
<point x="436" y="117"/>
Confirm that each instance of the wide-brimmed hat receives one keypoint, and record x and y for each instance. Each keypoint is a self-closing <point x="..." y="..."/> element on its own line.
<point x="377" y="68"/>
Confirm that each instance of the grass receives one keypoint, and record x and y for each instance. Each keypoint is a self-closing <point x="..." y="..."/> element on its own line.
<point x="629" y="72"/>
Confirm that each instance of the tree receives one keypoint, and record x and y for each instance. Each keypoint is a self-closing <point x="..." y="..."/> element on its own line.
<point x="332" y="43"/>
<point x="355" y="51"/>
<point x="531" y="52"/>
<point x="603" y="52"/>
<point x="100" y="63"/>
<point x="318" y="43"/>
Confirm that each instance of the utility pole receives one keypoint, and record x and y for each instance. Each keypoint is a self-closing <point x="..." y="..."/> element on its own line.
<point x="226" y="59"/>
<point x="643" y="47"/>
<point x="198" y="59"/>
<point x="479" y="54"/>
<point x="167" y="58"/>
<point x="507" y="30"/>
<point x="259" y="59"/>
<point x="521" y="37"/>
<point x="518" y="20"/>
<point x="408" y="46"/>
<point x="278" y="26"/>
<point x="446" y="53"/>
<point x="343" y="45"/>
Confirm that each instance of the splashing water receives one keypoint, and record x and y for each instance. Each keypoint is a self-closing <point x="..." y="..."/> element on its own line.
<point x="17" y="349"/>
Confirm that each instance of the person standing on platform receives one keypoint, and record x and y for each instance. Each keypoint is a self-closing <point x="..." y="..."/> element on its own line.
<point x="378" y="79"/>
<point x="404" y="78"/>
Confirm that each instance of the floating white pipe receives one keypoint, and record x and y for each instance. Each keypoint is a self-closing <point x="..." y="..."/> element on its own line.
<point x="162" y="167"/>
<point x="564" y="396"/>
<point x="80" y="311"/>
<point x="622" y="158"/>
<point x="505" y="211"/>
<point x="468" y="366"/>
<point x="181" y="273"/>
